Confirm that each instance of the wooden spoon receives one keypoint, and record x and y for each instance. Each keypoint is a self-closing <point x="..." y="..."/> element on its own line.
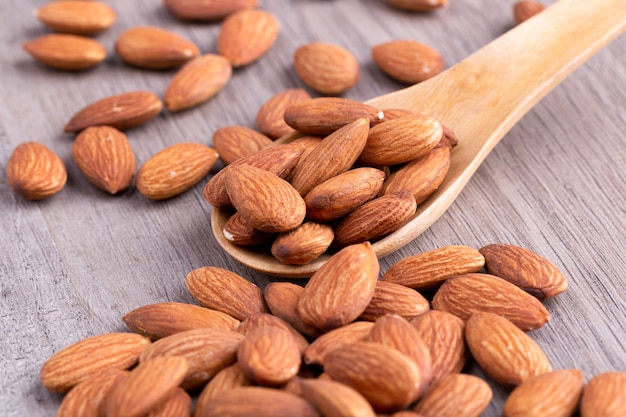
<point x="480" y="99"/>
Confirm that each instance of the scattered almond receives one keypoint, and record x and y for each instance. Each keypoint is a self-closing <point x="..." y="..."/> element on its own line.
<point x="455" y="395"/>
<point x="391" y="298"/>
<point x="417" y="5"/>
<point x="88" y="398"/>
<point x="210" y="10"/>
<point x="225" y="380"/>
<point x="327" y="68"/>
<point x="408" y="61"/>
<point x="257" y="320"/>
<point x="334" y="399"/>
<point x="604" y="396"/>
<point x="270" y="118"/>
<point x="76" y="17"/>
<point x="66" y="52"/>
<point x="35" y="172"/>
<point x="282" y="299"/>
<point x="234" y="142"/>
<point x="319" y="349"/>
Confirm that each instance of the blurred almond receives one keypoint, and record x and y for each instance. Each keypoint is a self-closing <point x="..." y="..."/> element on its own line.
<point x="203" y="10"/>
<point x="66" y="52"/>
<point x="391" y="298"/>
<point x="270" y="118"/>
<point x="417" y="5"/>
<point x="455" y="395"/>
<point x="327" y="68"/>
<point x="525" y="9"/>
<point x="225" y="380"/>
<point x="319" y="349"/>
<point x="35" y="172"/>
<point x="603" y="395"/>
<point x="76" y="17"/>
<point x="88" y="398"/>
<point x="177" y="405"/>
<point x="303" y="244"/>
<point x="234" y="142"/>
<point x="408" y="61"/>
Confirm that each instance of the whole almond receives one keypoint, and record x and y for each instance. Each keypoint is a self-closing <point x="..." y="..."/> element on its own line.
<point x="164" y="319"/>
<point x="146" y="386"/>
<point x="528" y="270"/>
<point x="76" y="17"/>
<point x="88" y="398"/>
<point x="106" y="157"/>
<point x="375" y="219"/>
<point x="603" y="395"/>
<point x="270" y="118"/>
<point x="154" y="48"/>
<point x="455" y="395"/>
<point x="334" y="155"/>
<point x="428" y="270"/>
<point x="408" y="61"/>
<point x="466" y="294"/>
<point x="525" y="9"/>
<point x="202" y="10"/>
<point x="391" y="298"/>
<point x="503" y="351"/>
<point x="327" y="68"/>
<point x="174" y="170"/>
<point x="225" y="380"/>
<point x="234" y="142"/>
<point x="282" y="299"/>
<point x="303" y="244"/>
<point x="257" y="320"/>
<point x="417" y="5"/>
<point x="177" y="405"/>
<point x="239" y="231"/>
<point x="197" y="81"/>
<point x="334" y="399"/>
<point x="343" y="193"/>
<point x="246" y="35"/>
<point x="401" y="140"/>
<point x="340" y="290"/>
<point x="555" y="393"/>
<point x="66" y="52"/>
<point x="121" y="111"/>
<point x="35" y="172"/>
<point x="85" y="358"/>
<point x="319" y="349"/>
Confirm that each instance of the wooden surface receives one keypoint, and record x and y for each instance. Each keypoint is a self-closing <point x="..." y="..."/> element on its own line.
<point x="72" y="265"/>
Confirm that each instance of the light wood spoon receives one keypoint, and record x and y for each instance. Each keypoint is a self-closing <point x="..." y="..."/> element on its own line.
<point x="480" y="99"/>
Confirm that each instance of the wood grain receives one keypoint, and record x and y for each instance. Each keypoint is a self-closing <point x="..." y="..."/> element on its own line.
<point x="72" y="265"/>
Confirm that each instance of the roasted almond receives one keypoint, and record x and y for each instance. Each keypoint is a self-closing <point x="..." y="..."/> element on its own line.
<point x="239" y="231"/>
<point x="603" y="395"/>
<point x="66" y="52"/>
<point x="206" y="9"/>
<point x="76" y="17"/>
<point x="455" y="395"/>
<point x="257" y="320"/>
<point x="177" y="405"/>
<point x="525" y="9"/>
<point x="334" y="399"/>
<point x="417" y="5"/>
<point x="325" y="67"/>
<point x="234" y="142"/>
<point x="35" y="172"/>
<point x="225" y="380"/>
<point x="408" y="61"/>
<point x="282" y="299"/>
<point x="88" y="398"/>
<point x="303" y="244"/>
<point x="319" y="349"/>
<point x="390" y="298"/>
<point x="270" y="118"/>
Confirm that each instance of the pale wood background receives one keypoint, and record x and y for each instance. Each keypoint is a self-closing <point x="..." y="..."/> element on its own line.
<point x="72" y="265"/>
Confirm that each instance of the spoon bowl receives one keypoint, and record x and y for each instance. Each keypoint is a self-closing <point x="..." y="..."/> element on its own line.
<point x="481" y="98"/>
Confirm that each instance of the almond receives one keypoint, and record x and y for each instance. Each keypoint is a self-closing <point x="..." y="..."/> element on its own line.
<point x="174" y="170"/>
<point x="225" y="380"/>
<point x="240" y="232"/>
<point x="340" y="290"/>
<point x="555" y="393"/>
<point x="177" y="405"/>
<point x="417" y="5"/>
<point x="154" y="48"/>
<point x="35" y="172"/>
<point x="66" y="52"/>
<point x="529" y="271"/>
<point x="234" y="142"/>
<point x="428" y="270"/>
<point x="303" y="244"/>
<point x="85" y="358"/>
<point x="105" y="156"/>
<point x="503" y="351"/>
<point x="257" y="320"/>
<point x="455" y="395"/>
<point x="375" y="219"/>
<point x="164" y="319"/>
<point x="282" y="299"/>
<point x="603" y="395"/>
<point x="465" y="294"/>
<point x="408" y="61"/>
<point x="525" y="9"/>
<point x="334" y="155"/>
<point x="88" y="398"/>
<point x="121" y="111"/>
<point x="334" y="399"/>
<point x="401" y="140"/>
<point x="327" y="68"/>
<point x="76" y="17"/>
<point x="206" y="9"/>
<point x="319" y="349"/>
<point x="225" y="291"/>
<point x="270" y="118"/>
<point x="146" y="386"/>
<point x="343" y="193"/>
<point x="390" y="298"/>
<point x="197" y="81"/>
<point x="246" y="35"/>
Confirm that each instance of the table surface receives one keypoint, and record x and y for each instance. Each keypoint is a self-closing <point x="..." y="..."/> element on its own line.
<point x="72" y="265"/>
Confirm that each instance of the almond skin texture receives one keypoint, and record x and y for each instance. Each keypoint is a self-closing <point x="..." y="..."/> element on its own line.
<point x="417" y="5"/>
<point x="121" y="111"/>
<point x="206" y="10"/>
<point x="159" y="320"/>
<point x="225" y="380"/>
<point x="332" y="156"/>
<point x="343" y="193"/>
<point x="282" y="299"/>
<point x="375" y="219"/>
<point x="177" y="405"/>
<point x="456" y="395"/>
<point x="270" y="118"/>
<point x="106" y="157"/>
<point x="390" y="298"/>
<point x="174" y="170"/>
<point x="146" y="386"/>
<point x="503" y="351"/>
<point x="603" y="395"/>
<point x="525" y="9"/>
<point x="319" y="349"/>
<point x="327" y="68"/>
<point x="88" y="399"/>
<point x="264" y="320"/>
<point x="35" y="172"/>
<point x="302" y="244"/>
<point x="66" y="52"/>
<point x="466" y="294"/>
<point x="428" y="270"/>
<point x="340" y="290"/>
<point x="240" y="232"/>
<point x="197" y="81"/>
<point x="529" y="271"/>
<point x="408" y="61"/>
<point x="555" y="393"/>
<point x="225" y="291"/>
<point x="76" y="17"/>
<point x="401" y="140"/>
<point x="234" y="142"/>
<point x="246" y="35"/>
<point x="154" y="48"/>
<point x="334" y="399"/>
<point x="264" y="200"/>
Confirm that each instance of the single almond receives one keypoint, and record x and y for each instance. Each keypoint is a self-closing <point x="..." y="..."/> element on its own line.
<point x="303" y="244"/>
<point x="282" y="299"/>
<point x="177" y="405"/>
<point x="270" y="118"/>
<point x="206" y="10"/>
<point x="88" y="398"/>
<point x="334" y="399"/>
<point x="603" y="395"/>
<point x="106" y="157"/>
<point x="525" y="9"/>
<point x="234" y="142"/>
<point x="417" y="5"/>
<point x="35" y="172"/>
<point x="319" y="349"/>
<point x="327" y="68"/>
<point x="257" y="320"/>
<point x="122" y="111"/>
<point x="391" y="298"/>
<point x="225" y="380"/>
<point x="66" y="52"/>
<point x="197" y="81"/>
<point x="174" y="170"/>
<point x="76" y="17"/>
<point x="455" y="395"/>
<point x="408" y="61"/>
<point x="239" y="231"/>
<point x="246" y="35"/>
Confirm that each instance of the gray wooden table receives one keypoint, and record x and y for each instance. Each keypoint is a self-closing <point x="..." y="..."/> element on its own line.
<point x="72" y="265"/>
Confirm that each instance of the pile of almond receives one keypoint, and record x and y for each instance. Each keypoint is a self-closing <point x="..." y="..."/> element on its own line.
<point x="345" y="344"/>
